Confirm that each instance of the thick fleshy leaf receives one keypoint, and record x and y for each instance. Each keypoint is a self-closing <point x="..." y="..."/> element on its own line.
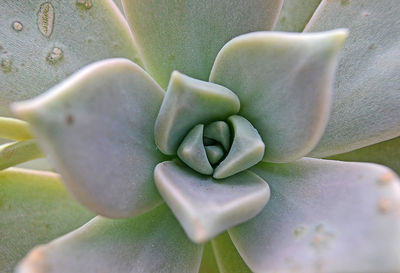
<point x="208" y="262"/>
<point x="15" y="129"/>
<point x="97" y="130"/>
<point x="220" y="132"/>
<point x="214" y="153"/>
<point x="186" y="35"/>
<point x="367" y="97"/>
<point x="283" y="81"/>
<point x="228" y="258"/>
<point x="187" y="103"/>
<point x="149" y="243"/>
<point x="14" y="153"/>
<point x="40" y="164"/>
<point x="324" y="216"/>
<point x="386" y="153"/>
<point x="192" y="151"/>
<point x="247" y="149"/>
<point x="43" y="42"/>
<point x="295" y="14"/>
<point x="205" y="207"/>
<point x="34" y="209"/>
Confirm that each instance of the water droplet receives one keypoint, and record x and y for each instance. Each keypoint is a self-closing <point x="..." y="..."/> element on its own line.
<point x="85" y="3"/>
<point x="46" y="19"/>
<point x="55" y="55"/>
<point x="17" y="26"/>
<point x="6" y="64"/>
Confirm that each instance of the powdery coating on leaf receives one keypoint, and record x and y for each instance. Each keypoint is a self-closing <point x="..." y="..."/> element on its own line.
<point x="186" y="35"/>
<point x="150" y="243"/>
<point x="284" y="84"/>
<point x="366" y="100"/>
<point x="84" y="36"/>
<point x="96" y="128"/>
<point x="34" y="209"/>
<point x="206" y="207"/>
<point x="324" y="216"/>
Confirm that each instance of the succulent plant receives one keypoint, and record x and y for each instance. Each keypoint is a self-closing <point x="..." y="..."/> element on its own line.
<point x="203" y="140"/>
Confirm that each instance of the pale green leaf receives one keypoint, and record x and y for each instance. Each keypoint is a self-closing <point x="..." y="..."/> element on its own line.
<point x="208" y="262"/>
<point x="186" y="35"/>
<point x="214" y="153"/>
<point x="247" y="149"/>
<point x="192" y="151"/>
<point x="97" y="130"/>
<point x="14" y="153"/>
<point x="43" y="42"/>
<point x="386" y="153"/>
<point x="187" y="103"/>
<point x="149" y="243"/>
<point x="366" y="100"/>
<point x="228" y="258"/>
<point x="220" y="132"/>
<point x="324" y="216"/>
<point x="295" y="14"/>
<point x="206" y="207"/>
<point x="34" y="209"/>
<point x="14" y="129"/>
<point x="284" y="82"/>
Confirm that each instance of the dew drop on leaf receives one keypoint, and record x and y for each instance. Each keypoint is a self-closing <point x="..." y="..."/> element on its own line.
<point x="84" y="3"/>
<point x="55" y="55"/>
<point x="17" y="26"/>
<point x="46" y="19"/>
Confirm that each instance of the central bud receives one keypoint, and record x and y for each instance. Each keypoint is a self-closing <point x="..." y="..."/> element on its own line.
<point x="198" y="122"/>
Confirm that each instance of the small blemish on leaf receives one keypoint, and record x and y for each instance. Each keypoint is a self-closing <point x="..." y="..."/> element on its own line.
<point x="171" y="57"/>
<point x="371" y="46"/>
<point x="322" y="238"/>
<point x="344" y="2"/>
<point x="8" y="153"/>
<point x="55" y="56"/>
<point x="6" y="64"/>
<point x="46" y="19"/>
<point x="299" y="231"/>
<point x="17" y="26"/>
<point x="69" y="119"/>
<point x="384" y="205"/>
<point x="87" y="4"/>
<point x="386" y="178"/>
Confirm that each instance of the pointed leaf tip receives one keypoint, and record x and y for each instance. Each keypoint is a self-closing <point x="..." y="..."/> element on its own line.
<point x="284" y="83"/>
<point x="102" y="115"/>
<point x="189" y="102"/>
<point x="204" y="206"/>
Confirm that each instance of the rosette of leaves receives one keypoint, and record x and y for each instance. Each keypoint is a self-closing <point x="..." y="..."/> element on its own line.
<point x="190" y="139"/>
